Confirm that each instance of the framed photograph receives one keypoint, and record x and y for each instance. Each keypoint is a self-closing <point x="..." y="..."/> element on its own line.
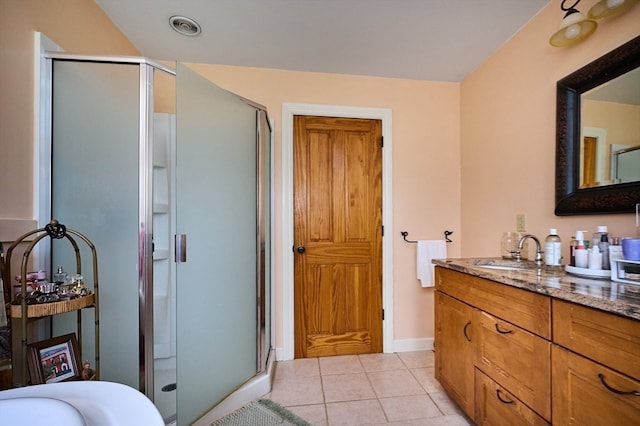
<point x="54" y="360"/>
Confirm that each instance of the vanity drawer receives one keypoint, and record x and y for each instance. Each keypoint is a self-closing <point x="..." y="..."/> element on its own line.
<point x="607" y="338"/>
<point x="496" y="406"/>
<point x="524" y="308"/>
<point x="586" y="393"/>
<point x="516" y="359"/>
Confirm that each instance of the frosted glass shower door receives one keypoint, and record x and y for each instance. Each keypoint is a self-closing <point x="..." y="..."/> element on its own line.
<point x="216" y="210"/>
<point x="94" y="187"/>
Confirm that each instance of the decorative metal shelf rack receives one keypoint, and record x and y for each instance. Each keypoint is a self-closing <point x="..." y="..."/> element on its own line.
<point x="26" y="312"/>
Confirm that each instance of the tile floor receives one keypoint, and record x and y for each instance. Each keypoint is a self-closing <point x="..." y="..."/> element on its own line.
<point x="373" y="389"/>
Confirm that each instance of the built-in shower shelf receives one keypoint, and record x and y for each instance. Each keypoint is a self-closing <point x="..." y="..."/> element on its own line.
<point x="160" y="208"/>
<point x="160" y="254"/>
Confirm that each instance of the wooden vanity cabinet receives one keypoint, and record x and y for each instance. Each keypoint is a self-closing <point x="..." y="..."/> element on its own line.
<point x="609" y="339"/>
<point x="596" y="367"/>
<point x="516" y="359"/>
<point x="587" y="393"/>
<point x="507" y="332"/>
<point x="496" y="406"/>
<point x="454" y="336"/>
<point x="587" y="372"/>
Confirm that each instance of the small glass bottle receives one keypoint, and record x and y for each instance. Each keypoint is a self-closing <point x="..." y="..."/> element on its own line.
<point x="572" y="251"/>
<point x="553" y="250"/>
<point x="60" y="277"/>
<point x="597" y="236"/>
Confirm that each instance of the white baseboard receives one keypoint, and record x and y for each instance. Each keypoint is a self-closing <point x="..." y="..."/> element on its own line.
<point x="254" y="389"/>
<point x="280" y="355"/>
<point x="410" y="345"/>
<point x="404" y="345"/>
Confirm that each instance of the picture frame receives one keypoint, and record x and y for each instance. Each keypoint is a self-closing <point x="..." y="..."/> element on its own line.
<point x="54" y="360"/>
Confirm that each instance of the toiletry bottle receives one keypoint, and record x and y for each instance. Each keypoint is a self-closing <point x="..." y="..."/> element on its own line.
<point x="604" y="248"/>
<point x="595" y="258"/>
<point x="572" y="251"/>
<point x="553" y="250"/>
<point x="586" y="241"/>
<point x="580" y="251"/>
<point x="597" y="236"/>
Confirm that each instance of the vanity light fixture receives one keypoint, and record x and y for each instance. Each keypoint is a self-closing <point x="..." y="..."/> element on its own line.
<point x="185" y="26"/>
<point x="611" y="8"/>
<point x="574" y="27"/>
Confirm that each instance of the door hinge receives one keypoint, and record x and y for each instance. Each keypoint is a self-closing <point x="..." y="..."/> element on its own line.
<point x="381" y="141"/>
<point x="382" y="230"/>
<point x="383" y="315"/>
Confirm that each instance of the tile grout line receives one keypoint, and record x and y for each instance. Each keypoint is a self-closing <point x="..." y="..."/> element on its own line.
<point x="366" y="374"/>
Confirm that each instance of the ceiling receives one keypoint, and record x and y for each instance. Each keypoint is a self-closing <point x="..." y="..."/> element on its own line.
<point x="434" y="40"/>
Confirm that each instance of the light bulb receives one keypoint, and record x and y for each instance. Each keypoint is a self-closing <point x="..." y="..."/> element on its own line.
<point x="611" y="8"/>
<point x="612" y="4"/>
<point x="572" y="31"/>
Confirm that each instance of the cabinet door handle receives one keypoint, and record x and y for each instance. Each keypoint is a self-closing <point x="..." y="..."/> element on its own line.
<point x="619" y="392"/>
<point x="464" y="331"/>
<point x="502" y="399"/>
<point x="503" y="331"/>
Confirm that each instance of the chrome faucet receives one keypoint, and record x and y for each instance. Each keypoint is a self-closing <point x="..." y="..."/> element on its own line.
<point x="518" y="256"/>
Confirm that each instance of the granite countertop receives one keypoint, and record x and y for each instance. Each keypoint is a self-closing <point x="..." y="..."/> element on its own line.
<point x="604" y="294"/>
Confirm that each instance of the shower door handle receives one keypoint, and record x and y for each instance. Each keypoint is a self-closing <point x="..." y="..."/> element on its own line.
<point x="180" y="248"/>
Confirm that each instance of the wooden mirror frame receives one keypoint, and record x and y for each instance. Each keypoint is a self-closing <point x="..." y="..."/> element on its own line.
<point x="570" y="198"/>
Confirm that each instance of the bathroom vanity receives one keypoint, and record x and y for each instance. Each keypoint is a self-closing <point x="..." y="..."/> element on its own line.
<point x="525" y="346"/>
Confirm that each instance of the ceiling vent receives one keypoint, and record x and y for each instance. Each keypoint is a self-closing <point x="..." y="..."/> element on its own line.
<point x="184" y="25"/>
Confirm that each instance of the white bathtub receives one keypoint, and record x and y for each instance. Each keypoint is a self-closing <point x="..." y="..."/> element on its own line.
<point x="77" y="404"/>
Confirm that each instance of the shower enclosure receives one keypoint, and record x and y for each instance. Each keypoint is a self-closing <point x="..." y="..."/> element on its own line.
<point x="170" y="177"/>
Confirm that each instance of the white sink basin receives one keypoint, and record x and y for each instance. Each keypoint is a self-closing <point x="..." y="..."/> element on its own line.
<point x="501" y="267"/>
<point x="82" y="403"/>
<point x="504" y="264"/>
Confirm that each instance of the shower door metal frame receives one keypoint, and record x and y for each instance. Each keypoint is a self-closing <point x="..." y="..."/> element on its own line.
<point x="145" y="201"/>
<point x="264" y="209"/>
<point x="145" y="189"/>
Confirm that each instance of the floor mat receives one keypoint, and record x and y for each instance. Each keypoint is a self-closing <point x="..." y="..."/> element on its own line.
<point x="262" y="412"/>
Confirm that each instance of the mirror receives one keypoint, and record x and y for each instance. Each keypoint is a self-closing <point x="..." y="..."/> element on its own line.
<point x="597" y="159"/>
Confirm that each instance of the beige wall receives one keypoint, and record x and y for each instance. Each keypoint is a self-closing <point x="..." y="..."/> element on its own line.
<point x="466" y="157"/>
<point x="77" y="26"/>
<point x="508" y="133"/>
<point x="621" y="122"/>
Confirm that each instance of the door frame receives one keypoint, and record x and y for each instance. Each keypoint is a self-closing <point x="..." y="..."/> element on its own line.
<point x="384" y="114"/>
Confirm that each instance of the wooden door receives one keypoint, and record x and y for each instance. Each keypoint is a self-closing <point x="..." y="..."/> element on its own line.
<point x="589" y="163"/>
<point x="337" y="236"/>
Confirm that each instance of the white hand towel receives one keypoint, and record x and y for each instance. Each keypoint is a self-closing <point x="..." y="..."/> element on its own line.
<point x="425" y="252"/>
